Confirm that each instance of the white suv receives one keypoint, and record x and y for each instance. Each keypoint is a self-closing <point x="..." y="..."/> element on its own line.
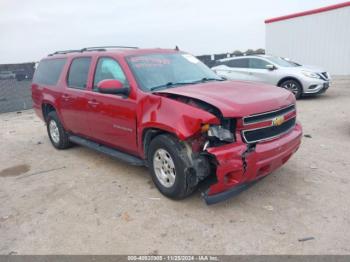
<point x="301" y="80"/>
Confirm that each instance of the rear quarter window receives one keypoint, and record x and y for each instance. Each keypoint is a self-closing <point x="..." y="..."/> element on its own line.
<point x="49" y="71"/>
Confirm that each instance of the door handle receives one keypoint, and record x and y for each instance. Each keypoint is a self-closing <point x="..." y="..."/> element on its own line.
<point x="93" y="102"/>
<point x="66" y="97"/>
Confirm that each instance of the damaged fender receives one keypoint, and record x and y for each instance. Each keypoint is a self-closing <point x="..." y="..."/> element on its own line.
<point x="166" y="114"/>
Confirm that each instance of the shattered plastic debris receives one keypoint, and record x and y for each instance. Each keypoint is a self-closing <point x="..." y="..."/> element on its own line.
<point x="305" y="239"/>
<point x="154" y="198"/>
<point x="268" y="207"/>
<point x="126" y="217"/>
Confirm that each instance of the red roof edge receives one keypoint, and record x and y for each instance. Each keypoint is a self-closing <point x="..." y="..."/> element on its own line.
<point x="310" y="12"/>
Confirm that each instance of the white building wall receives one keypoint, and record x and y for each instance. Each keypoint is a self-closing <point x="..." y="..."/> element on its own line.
<point x="321" y="39"/>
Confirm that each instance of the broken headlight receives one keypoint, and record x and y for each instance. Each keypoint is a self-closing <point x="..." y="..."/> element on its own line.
<point x="220" y="133"/>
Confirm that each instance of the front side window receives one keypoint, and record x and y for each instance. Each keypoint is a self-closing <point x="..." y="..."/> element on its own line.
<point x="78" y="73"/>
<point x="256" y="63"/>
<point x="49" y="71"/>
<point x="161" y="71"/>
<point x="239" y="63"/>
<point x="108" y="68"/>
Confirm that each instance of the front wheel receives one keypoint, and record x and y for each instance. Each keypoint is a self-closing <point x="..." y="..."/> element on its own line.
<point x="170" y="167"/>
<point x="293" y="86"/>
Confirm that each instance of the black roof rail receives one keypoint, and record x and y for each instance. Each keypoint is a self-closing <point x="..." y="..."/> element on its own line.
<point x="65" y="52"/>
<point x="104" y="48"/>
<point x="94" y="48"/>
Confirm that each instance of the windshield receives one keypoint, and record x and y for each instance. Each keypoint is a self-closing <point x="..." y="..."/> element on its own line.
<point x="161" y="71"/>
<point x="283" y="62"/>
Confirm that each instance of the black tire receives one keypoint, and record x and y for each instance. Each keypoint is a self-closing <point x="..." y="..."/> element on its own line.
<point x="293" y="86"/>
<point x="63" y="141"/>
<point x="182" y="187"/>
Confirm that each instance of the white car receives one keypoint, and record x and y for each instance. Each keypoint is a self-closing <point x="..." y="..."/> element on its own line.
<point x="301" y="80"/>
<point x="7" y="75"/>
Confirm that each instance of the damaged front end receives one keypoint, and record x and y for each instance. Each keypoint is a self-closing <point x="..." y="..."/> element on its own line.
<point x="229" y="156"/>
<point x="275" y="137"/>
<point x="235" y="163"/>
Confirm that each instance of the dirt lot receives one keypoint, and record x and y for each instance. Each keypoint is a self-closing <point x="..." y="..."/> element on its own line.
<point x="80" y="202"/>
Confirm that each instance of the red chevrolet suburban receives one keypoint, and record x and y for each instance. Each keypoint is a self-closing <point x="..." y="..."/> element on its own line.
<point x="166" y="110"/>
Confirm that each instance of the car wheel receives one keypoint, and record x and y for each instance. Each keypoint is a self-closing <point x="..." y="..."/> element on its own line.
<point x="169" y="165"/>
<point x="293" y="86"/>
<point x="57" y="134"/>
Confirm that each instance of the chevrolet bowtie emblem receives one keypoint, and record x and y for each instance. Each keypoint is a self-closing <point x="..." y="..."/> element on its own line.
<point x="278" y="120"/>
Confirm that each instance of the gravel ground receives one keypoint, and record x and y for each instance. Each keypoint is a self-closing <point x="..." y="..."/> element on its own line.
<point x="80" y="202"/>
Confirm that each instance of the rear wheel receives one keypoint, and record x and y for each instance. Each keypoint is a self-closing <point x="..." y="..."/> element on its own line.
<point x="56" y="132"/>
<point x="293" y="86"/>
<point x="170" y="167"/>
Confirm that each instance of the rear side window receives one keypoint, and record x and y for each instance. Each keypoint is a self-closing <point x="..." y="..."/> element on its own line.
<point x="78" y="72"/>
<point x="242" y="63"/>
<point x="49" y="71"/>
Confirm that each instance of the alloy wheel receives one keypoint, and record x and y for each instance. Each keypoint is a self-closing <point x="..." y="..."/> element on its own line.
<point x="291" y="87"/>
<point x="164" y="167"/>
<point x="54" y="132"/>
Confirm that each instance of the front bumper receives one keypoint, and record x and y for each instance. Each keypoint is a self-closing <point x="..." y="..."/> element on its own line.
<point x="315" y="87"/>
<point x="239" y="166"/>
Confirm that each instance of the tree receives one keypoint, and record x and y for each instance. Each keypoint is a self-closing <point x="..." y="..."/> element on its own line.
<point x="249" y="52"/>
<point x="260" y="51"/>
<point x="237" y="53"/>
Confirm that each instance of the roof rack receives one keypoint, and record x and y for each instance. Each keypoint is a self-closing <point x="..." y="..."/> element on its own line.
<point x="94" y="48"/>
<point x="104" y="48"/>
<point x="65" y="52"/>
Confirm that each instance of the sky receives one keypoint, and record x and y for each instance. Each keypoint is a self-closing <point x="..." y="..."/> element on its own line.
<point x="29" y="30"/>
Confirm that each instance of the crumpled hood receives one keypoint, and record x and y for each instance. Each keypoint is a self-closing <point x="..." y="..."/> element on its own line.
<point x="236" y="98"/>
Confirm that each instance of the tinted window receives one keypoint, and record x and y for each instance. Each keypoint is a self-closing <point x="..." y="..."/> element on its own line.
<point x="242" y="63"/>
<point x="49" y="71"/>
<point x="257" y="63"/>
<point x="78" y="72"/>
<point x="108" y="68"/>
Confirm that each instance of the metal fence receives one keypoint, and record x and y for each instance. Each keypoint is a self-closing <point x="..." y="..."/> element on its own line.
<point x="15" y="82"/>
<point x="15" y="95"/>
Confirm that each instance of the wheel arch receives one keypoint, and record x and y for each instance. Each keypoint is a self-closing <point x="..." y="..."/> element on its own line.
<point x="46" y="108"/>
<point x="148" y="134"/>
<point x="290" y="78"/>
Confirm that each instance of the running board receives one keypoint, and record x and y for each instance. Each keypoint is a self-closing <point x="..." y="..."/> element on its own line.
<point x="132" y="160"/>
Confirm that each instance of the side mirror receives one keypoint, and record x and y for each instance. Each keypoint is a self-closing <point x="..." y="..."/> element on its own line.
<point x="112" y="86"/>
<point x="270" y="67"/>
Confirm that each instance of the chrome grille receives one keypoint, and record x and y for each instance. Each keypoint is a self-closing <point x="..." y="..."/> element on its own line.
<point x="268" y="133"/>
<point x="324" y="75"/>
<point x="262" y="127"/>
<point x="267" y="115"/>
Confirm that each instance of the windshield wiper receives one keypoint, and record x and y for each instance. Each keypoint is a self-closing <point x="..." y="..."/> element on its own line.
<point x="172" y="84"/>
<point x="207" y="79"/>
<point x="169" y="84"/>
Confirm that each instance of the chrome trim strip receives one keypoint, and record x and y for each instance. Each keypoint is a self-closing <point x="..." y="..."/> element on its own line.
<point x="269" y="138"/>
<point x="259" y="114"/>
